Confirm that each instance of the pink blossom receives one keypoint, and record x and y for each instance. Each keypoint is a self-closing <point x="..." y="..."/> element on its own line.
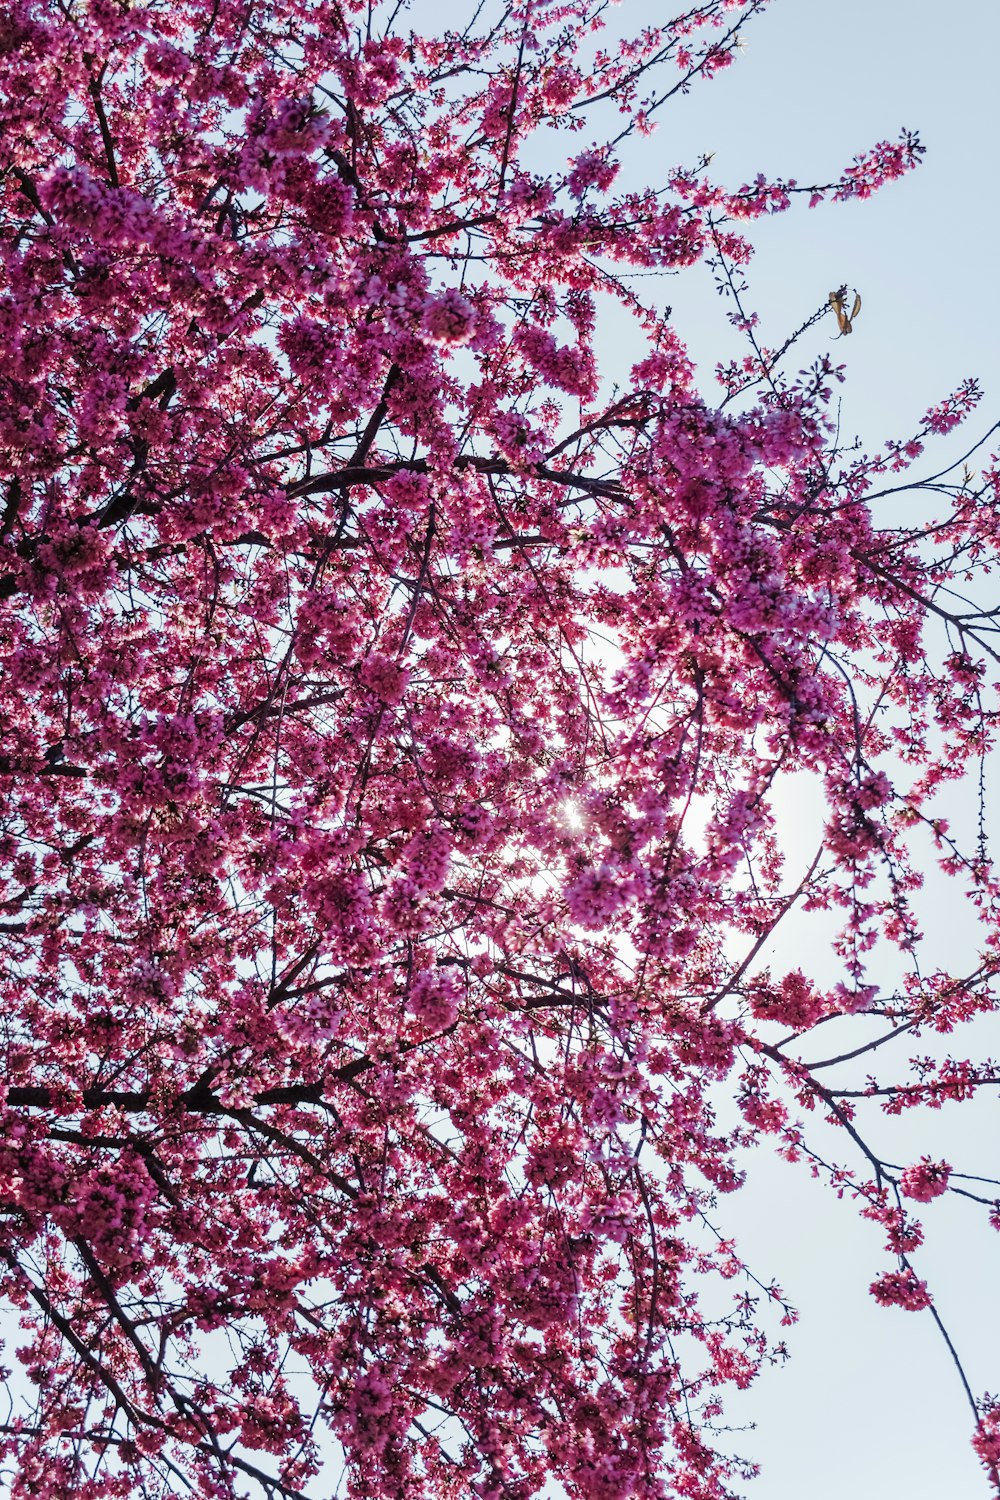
<point x="901" y="1289"/>
<point x="448" y="318"/>
<point x="986" y="1439"/>
<point x="410" y="671"/>
<point x="594" y="896"/>
<point x="591" y="169"/>
<point x="925" y="1180"/>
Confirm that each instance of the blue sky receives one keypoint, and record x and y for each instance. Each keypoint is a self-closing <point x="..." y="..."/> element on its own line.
<point x="821" y="80"/>
<point x="869" y="1402"/>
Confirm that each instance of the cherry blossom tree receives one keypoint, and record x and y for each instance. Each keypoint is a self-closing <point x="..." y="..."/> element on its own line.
<point x="395" y="723"/>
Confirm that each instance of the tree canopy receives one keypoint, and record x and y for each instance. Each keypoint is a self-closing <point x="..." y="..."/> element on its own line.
<point x="396" y="720"/>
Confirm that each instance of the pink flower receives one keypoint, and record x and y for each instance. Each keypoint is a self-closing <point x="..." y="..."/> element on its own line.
<point x="384" y="677"/>
<point x="434" y="1000"/>
<point x="901" y="1289"/>
<point x="925" y="1180"/>
<point x="986" y="1441"/>
<point x="560" y="89"/>
<point x="591" y="169"/>
<point x="448" y="318"/>
<point x="594" y="897"/>
<point x="795" y="1003"/>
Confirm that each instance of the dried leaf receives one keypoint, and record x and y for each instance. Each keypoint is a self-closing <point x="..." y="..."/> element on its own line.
<point x="837" y="301"/>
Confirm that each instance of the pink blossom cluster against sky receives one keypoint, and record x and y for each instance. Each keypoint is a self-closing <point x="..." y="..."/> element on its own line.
<point x="410" y="803"/>
<point x="867" y="1404"/>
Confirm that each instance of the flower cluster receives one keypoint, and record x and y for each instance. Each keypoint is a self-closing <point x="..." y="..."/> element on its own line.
<point x="925" y="1180"/>
<point x="448" y="318"/>
<point x="901" y="1289"/>
<point x="405" y="704"/>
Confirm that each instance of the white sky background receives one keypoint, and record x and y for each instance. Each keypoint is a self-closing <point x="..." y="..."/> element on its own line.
<point x="869" y="1402"/>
